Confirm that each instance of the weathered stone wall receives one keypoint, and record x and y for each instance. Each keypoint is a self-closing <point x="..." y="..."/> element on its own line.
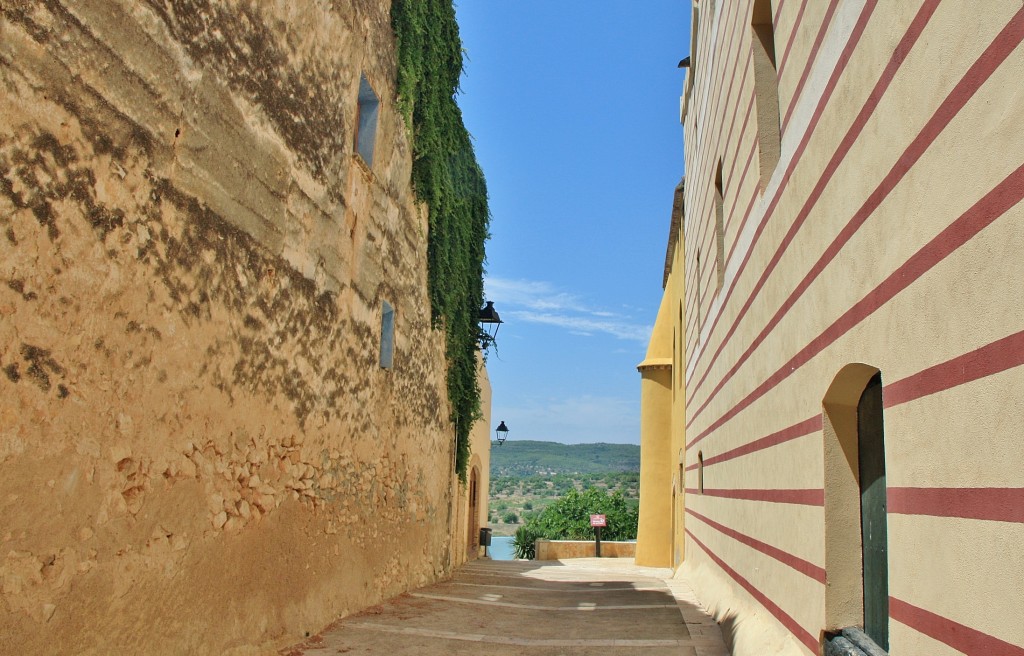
<point x="199" y="452"/>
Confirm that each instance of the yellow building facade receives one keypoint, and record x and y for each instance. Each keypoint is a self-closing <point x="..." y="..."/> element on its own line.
<point x="832" y="389"/>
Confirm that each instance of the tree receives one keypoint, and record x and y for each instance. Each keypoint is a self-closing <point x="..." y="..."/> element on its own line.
<point x="569" y="517"/>
<point x="510" y="518"/>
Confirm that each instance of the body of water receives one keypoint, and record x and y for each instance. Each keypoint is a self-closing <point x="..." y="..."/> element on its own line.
<point x="501" y="548"/>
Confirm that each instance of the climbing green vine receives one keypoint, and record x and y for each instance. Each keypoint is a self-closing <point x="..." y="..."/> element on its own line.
<point x="447" y="177"/>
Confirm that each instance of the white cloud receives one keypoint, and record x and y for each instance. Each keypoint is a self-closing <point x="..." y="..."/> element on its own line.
<point x="587" y="325"/>
<point x="532" y="294"/>
<point x="540" y="302"/>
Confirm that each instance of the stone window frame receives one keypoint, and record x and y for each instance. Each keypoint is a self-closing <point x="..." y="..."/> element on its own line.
<point x="766" y="90"/>
<point x="387" y="335"/>
<point x="366" y="121"/>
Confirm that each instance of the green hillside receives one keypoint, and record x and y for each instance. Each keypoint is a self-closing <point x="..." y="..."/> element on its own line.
<point x="528" y="458"/>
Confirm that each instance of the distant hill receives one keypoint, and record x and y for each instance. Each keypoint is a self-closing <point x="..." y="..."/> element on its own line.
<point x="528" y="458"/>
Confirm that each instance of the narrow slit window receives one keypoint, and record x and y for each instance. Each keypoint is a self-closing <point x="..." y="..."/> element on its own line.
<point x="700" y="472"/>
<point x="387" y="336"/>
<point x="675" y="357"/>
<point x="700" y="273"/>
<point x="682" y="346"/>
<point x="766" y="89"/>
<point x="719" y="226"/>
<point x="367" y="112"/>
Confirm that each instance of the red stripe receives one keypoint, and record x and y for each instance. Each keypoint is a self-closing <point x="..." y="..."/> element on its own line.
<point x="711" y="84"/>
<point x="792" y="37"/>
<point x="802" y="634"/>
<point x="851" y="137"/>
<point x="990" y="359"/>
<point x="705" y="225"/>
<point x="967" y="225"/>
<point x="825" y="22"/>
<point x="701" y="160"/>
<point x="810" y="497"/>
<point x="778" y="12"/>
<point x="754" y="195"/>
<point x="998" y="356"/>
<point x="962" y="638"/>
<point x="995" y="504"/>
<point x="799" y="564"/>
<point x="737" y="187"/>
<point x="745" y="122"/>
<point x="715" y="80"/>
<point x="799" y="429"/>
<point x="983" y="362"/>
<point x="826" y="95"/>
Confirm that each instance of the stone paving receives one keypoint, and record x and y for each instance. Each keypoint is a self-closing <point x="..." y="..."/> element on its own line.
<point x="580" y="606"/>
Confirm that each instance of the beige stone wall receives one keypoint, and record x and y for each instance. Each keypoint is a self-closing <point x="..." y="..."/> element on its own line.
<point x="886" y="238"/>
<point x="558" y="549"/>
<point x="199" y="452"/>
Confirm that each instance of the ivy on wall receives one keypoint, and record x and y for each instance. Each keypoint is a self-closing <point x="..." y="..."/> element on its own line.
<point x="447" y="177"/>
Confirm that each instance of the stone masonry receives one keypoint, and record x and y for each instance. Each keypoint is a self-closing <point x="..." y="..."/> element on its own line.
<point x="199" y="452"/>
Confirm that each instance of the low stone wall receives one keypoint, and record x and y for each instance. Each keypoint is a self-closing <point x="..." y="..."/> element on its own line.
<point x="558" y="549"/>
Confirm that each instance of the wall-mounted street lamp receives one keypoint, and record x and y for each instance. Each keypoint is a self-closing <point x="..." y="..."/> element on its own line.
<point x="489" y="324"/>
<point x="501" y="433"/>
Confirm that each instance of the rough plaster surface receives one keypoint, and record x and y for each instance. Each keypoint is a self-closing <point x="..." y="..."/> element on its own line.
<point x="747" y="629"/>
<point x="198" y="450"/>
<point x="838" y="219"/>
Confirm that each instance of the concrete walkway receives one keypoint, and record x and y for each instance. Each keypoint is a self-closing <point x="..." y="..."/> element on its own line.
<point x="600" y="606"/>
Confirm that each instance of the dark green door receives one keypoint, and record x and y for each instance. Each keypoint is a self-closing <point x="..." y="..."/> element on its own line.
<point x="871" y="441"/>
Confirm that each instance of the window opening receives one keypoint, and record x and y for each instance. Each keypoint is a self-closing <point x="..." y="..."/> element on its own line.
<point x="766" y="89"/>
<point x="700" y="272"/>
<point x="675" y="357"/>
<point x="473" y="523"/>
<point x="700" y="472"/>
<point x="387" y="336"/>
<point x="682" y="345"/>
<point x="367" y="110"/>
<point x="719" y="226"/>
<point x="874" y="531"/>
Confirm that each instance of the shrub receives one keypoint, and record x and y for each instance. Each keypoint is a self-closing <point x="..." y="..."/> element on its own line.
<point x="510" y="518"/>
<point x="523" y="543"/>
<point x="568" y="518"/>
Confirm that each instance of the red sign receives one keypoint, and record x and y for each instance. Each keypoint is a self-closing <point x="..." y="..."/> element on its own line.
<point x="598" y="520"/>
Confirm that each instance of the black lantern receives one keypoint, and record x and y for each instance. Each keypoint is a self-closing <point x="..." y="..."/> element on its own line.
<point x="489" y="324"/>
<point x="501" y="433"/>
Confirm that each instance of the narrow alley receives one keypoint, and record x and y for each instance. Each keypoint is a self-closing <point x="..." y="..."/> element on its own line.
<point x="578" y="606"/>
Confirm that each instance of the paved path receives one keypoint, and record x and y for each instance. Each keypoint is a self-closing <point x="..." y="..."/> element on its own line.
<point x="581" y="606"/>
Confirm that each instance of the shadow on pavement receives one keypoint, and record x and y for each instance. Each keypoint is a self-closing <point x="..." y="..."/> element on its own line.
<point x="530" y="607"/>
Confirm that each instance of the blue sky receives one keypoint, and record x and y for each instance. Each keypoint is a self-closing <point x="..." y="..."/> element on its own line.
<point x="574" y="109"/>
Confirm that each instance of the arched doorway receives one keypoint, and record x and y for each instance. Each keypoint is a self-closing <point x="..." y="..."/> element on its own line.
<point x="873" y="525"/>
<point x="473" y="518"/>
<point x="856" y="527"/>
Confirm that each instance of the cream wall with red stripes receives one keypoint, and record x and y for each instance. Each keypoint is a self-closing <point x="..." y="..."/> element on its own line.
<point x="889" y="234"/>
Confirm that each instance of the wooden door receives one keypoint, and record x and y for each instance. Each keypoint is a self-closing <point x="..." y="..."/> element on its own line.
<point x="874" y="531"/>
